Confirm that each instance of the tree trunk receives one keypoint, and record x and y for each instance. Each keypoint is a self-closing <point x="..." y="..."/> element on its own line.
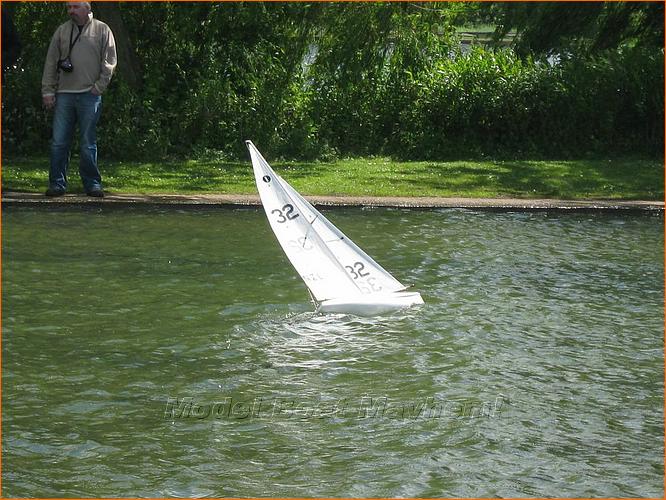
<point x="128" y="62"/>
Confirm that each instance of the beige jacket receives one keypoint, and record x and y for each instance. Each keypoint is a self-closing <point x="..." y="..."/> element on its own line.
<point x="93" y="57"/>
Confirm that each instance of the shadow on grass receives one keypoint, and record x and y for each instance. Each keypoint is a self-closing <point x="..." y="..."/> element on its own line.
<point x="625" y="178"/>
<point x="31" y="174"/>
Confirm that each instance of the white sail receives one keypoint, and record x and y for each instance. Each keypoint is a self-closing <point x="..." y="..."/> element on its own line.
<point x="331" y="265"/>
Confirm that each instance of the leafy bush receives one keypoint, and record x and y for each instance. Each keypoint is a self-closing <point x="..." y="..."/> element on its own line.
<point x="320" y="80"/>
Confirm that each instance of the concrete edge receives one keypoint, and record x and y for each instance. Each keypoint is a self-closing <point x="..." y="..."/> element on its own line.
<point x="12" y="197"/>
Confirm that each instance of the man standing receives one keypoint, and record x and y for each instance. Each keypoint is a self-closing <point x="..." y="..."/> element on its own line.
<point x="78" y="68"/>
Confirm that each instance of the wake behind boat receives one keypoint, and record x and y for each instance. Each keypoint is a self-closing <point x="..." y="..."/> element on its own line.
<point x="340" y="276"/>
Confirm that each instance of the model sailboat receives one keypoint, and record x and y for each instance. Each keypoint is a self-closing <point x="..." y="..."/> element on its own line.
<point x="340" y="276"/>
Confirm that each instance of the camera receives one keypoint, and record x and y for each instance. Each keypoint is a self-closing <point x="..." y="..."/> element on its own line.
<point x="65" y="65"/>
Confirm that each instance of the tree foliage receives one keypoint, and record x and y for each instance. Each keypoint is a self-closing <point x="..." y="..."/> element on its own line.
<point x="579" y="28"/>
<point x="320" y="79"/>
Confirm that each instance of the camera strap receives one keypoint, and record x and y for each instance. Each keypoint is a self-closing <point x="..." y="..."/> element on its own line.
<point x="71" y="34"/>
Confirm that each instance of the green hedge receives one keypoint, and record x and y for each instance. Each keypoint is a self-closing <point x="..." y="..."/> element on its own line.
<point x="386" y="79"/>
<point x="495" y="103"/>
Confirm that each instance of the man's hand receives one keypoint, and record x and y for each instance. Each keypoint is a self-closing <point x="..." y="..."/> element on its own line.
<point x="48" y="101"/>
<point x="94" y="91"/>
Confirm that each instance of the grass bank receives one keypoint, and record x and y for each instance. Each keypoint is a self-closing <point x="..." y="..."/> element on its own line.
<point x="622" y="178"/>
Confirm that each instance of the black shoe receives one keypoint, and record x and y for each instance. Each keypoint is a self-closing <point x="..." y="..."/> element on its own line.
<point x="96" y="193"/>
<point x="55" y="191"/>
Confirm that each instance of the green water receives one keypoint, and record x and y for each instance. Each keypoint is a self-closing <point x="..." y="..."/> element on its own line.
<point x="158" y="353"/>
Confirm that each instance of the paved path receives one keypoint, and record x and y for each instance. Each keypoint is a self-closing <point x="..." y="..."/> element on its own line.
<point x="10" y="197"/>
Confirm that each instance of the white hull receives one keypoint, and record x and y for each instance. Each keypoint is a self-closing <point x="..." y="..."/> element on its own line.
<point x="371" y="305"/>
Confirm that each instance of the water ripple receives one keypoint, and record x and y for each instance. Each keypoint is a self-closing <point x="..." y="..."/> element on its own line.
<point x="534" y="369"/>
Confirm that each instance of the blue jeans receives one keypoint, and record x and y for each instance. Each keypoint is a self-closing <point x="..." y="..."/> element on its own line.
<point x="85" y="109"/>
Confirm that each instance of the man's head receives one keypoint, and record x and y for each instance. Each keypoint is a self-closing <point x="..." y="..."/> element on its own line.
<point x="78" y="12"/>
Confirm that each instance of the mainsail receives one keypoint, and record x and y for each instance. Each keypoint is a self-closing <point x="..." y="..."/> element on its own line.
<point x="329" y="263"/>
